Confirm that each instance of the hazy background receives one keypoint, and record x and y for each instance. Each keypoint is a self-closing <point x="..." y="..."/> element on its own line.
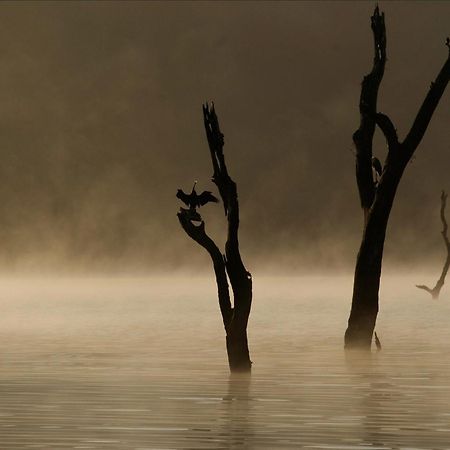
<point x="100" y="123"/>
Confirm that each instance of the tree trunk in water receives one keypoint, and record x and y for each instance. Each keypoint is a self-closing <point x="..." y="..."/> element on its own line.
<point x="236" y="329"/>
<point x="363" y="315"/>
<point x="237" y="344"/>
<point x="237" y="349"/>
<point x="228" y="266"/>
<point x="377" y="195"/>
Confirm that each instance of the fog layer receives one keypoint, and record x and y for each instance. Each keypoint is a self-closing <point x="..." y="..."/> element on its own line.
<point x="100" y="123"/>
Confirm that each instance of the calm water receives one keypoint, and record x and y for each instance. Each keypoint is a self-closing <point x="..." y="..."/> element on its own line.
<point x="141" y="364"/>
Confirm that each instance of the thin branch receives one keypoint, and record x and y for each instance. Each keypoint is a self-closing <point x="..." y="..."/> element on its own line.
<point x="428" y="107"/>
<point x="199" y="235"/>
<point x="443" y="220"/>
<point x="425" y="288"/>
<point x="437" y="289"/>
<point x="441" y="280"/>
<point x="363" y="136"/>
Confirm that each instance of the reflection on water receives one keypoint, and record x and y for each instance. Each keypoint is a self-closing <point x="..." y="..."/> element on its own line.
<point x="141" y="364"/>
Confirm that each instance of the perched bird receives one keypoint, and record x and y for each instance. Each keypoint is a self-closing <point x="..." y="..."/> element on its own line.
<point x="377" y="165"/>
<point x="377" y="342"/>
<point x="193" y="200"/>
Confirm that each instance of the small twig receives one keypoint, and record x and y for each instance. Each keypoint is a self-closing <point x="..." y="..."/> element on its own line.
<point x="437" y="289"/>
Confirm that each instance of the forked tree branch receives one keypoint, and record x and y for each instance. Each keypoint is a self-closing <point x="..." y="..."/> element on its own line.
<point x="405" y="150"/>
<point x="230" y="265"/>
<point x="377" y="199"/>
<point x="228" y="192"/>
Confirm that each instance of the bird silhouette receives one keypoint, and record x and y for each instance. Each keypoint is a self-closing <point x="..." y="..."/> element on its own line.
<point x="194" y="200"/>
<point x="376" y="164"/>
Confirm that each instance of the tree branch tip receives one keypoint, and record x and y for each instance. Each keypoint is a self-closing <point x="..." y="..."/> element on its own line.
<point x="376" y="11"/>
<point x="425" y="288"/>
<point x="208" y="108"/>
<point x="377" y="16"/>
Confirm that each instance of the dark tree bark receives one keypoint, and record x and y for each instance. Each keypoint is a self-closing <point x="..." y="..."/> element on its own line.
<point x="437" y="289"/>
<point x="377" y="196"/>
<point x="230" y="265"/>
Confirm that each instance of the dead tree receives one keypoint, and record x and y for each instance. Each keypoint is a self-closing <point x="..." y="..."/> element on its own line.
<point x="228" y="266"/>
<point x="377" y="195"/>
<point x="437" y="289"/>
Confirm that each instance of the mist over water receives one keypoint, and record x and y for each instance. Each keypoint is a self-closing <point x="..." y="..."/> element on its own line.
<point x="100" y="123"/>
<point x="140" y="363"/>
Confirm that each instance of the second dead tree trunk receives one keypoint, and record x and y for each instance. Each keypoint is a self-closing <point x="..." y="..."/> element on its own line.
<point x="377" y="196"/>
<point x="437" y="289"/>
<point x="229" y="265"/>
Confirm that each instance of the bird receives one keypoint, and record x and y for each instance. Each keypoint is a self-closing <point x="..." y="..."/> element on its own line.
<point x="377" y="342"/>
<point x="193" y="200"/>
<point x="376" y="164"/>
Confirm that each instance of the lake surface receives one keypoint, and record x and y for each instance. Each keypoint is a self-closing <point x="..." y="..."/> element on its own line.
<point x="140" y="363"/>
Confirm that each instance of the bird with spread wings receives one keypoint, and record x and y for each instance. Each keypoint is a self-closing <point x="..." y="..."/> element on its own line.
<point x="194" y="200"/>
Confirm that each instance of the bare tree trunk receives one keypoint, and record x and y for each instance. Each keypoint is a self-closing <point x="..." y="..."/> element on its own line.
<point x="240" y="278"/>
<point x="377" y="196"/>
<point x="230" y="265"/>
<point x="437" y="289"/>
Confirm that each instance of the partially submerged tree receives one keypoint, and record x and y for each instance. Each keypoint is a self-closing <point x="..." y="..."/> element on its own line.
<point x="228" y="265"/>
<point x="437" y="289"/>
<point x="377" y="195"/>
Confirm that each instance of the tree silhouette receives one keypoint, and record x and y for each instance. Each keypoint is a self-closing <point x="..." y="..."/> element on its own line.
<point x="377" y="196"/>
<point x="437" y="288"/>
<point x="230" y="265"/>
